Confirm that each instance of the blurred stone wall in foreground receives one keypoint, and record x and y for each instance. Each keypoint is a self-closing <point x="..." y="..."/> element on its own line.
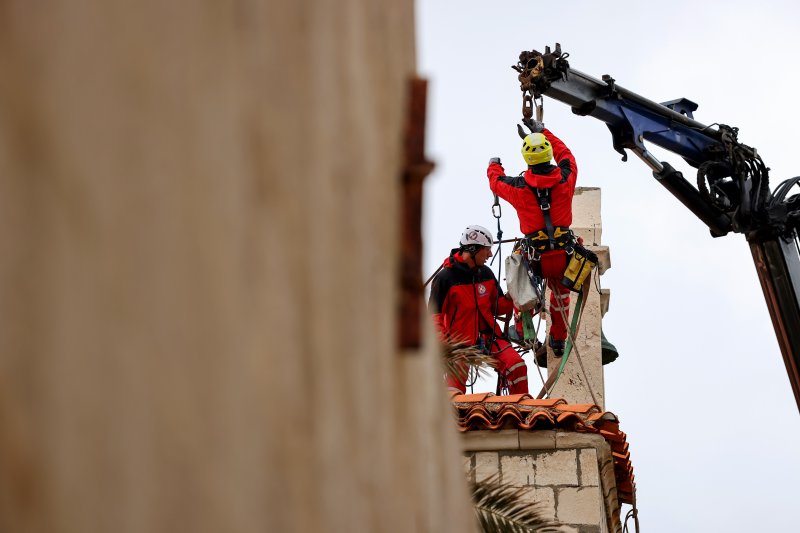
<point x="198" y="273"/>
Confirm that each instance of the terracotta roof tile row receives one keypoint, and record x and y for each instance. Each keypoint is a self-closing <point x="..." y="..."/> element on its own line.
<point x="521" y="411"/>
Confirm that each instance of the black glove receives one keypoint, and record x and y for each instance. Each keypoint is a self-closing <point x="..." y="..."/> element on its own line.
<point x="495" y="160"/>
<point x="537" y="127"/>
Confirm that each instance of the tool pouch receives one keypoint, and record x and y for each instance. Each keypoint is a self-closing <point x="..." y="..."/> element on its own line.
<point x="519" y="284"/>
<point x="553" y="263"/>
<point x="580" y="265"/>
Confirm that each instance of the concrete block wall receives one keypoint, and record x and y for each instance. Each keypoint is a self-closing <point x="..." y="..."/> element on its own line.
<point x="570" y="475"/>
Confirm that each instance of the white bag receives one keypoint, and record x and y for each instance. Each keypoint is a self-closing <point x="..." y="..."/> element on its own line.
<point x="519" y="285"/>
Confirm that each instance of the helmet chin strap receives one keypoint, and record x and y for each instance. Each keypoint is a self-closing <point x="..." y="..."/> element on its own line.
<point x="470" y="257"/>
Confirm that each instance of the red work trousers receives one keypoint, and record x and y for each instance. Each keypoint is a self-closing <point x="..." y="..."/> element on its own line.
<point x="559" y="309"/>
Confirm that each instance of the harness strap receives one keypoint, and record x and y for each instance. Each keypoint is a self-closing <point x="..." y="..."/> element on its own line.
<point x="543" y="197"/>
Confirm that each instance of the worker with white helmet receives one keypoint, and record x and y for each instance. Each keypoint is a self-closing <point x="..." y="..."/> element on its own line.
<point x="465" y="299"/>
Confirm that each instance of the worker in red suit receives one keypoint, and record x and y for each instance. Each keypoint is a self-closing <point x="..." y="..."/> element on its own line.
<point x="542" y="197"/>
<point x="465" y="299"/>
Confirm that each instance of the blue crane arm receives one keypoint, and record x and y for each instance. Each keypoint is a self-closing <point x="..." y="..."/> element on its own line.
<point x="732" y="192"/>
<point x="634" y="119"/>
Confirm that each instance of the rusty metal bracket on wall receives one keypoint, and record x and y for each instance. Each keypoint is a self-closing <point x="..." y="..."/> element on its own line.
<point x="415" y="169"/>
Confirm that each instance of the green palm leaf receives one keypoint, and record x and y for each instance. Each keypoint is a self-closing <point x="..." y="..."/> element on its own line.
<point x="505" y="509"/>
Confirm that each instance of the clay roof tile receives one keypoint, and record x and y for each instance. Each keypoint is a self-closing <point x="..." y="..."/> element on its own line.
<point x="578" y="407"/>
<point x="486" y="411"/>
<point x="513" y="398"/>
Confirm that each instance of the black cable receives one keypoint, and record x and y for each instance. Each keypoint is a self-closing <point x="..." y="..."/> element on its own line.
<point x="632" y="513"/>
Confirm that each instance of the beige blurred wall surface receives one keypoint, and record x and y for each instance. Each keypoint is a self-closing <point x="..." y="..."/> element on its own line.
<point x="198" y="248"/>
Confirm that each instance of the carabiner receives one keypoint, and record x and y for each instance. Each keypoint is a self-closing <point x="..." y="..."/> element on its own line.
<point x="539" y="108"/>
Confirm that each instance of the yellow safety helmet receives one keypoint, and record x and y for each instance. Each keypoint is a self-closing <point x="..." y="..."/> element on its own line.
<point x="536" y="149"/>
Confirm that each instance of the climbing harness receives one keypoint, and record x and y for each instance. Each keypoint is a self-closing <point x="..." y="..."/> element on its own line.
<point x="540" y="241"/>
<point x="543" y="197"/>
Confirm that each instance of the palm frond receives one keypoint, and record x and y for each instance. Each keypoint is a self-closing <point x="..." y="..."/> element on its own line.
<point x="504" y="509"/>
<point x="460" y="357"/>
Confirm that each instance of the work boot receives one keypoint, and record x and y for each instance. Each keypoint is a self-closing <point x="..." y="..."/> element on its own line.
<point x="557" y="346"/>
<point x="540" y="354"/>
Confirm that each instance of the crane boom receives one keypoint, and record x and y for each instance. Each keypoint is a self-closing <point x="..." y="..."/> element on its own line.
<point x="732" y="192"/>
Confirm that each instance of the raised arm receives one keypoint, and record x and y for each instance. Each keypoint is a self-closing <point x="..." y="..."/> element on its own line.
<point x="507" y="188"/>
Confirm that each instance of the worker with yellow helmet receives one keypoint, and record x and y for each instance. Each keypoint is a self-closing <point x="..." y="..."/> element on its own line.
<point x="542" y="197"/>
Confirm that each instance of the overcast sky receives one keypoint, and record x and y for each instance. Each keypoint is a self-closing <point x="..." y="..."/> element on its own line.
<point x="700" y="386"/>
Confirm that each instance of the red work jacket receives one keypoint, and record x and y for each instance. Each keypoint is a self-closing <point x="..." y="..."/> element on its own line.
<point x="463" y="301"/>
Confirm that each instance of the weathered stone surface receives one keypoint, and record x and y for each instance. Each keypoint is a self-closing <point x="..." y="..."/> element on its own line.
<point x="517" y="470"/>
<point x="469" y="466"/>
<point x="545" y="499"/>
<point x="603" y="258"/>
<point x="579" y="505"/>
<point x="605" y="301"/>
<point x="537" y="440"/>
<point x="586" y="221"/>
<point x="487" y="465"/>
<point x="608" y="486"/>
<point x="587" y="459"/>
<point x="504" y="439"/>
<point x="147" y="154"/>
<point x="609" y="482"/>
<point x="557" y="468"/>
<point x="570" y="439"/>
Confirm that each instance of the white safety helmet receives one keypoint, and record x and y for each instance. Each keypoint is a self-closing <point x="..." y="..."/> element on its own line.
<point x="476" y="235"/>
